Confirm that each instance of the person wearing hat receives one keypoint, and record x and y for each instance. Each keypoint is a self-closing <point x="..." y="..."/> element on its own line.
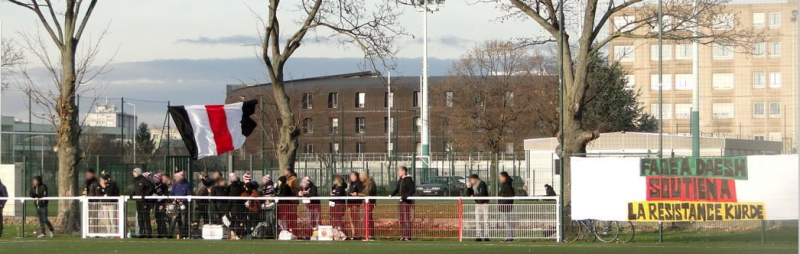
<point x="477" y="188"/>
<point x="506" y="205"/>
<point x="307" y="190"/>
<point x="107" y="188"/>
<point x="142" y="187"/>
<point x="180" y="188"/>
<point x="39" y="190"/>
<point x="159" y="207"/>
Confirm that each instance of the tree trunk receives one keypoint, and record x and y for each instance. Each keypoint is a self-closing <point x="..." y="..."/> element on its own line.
<point x="287" y="140"/>
<point x="69" y="153"/>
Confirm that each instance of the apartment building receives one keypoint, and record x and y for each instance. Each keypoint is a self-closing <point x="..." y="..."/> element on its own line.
<point x="743" y="94"/>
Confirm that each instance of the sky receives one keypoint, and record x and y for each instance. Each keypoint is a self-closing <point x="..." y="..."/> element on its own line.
<point x="186" y="51"/>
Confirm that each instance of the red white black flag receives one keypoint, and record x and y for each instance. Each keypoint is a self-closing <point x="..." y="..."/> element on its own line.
<point x="212" y="130"/>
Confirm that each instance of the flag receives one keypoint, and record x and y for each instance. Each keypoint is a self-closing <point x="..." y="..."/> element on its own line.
<point x="212" y="130"/>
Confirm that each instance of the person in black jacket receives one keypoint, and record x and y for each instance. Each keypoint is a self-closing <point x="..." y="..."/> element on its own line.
<point x="3" y="194"/>
<point x="506" y="205"/>
<point x="142" y="188"/>
<point x="308" y="190"/>
<point x="339" y="189"/>
<point x="405" y="188"/>
<point x="90" y="183"/>
<point x="219" y="207"/>
<point x="354" y="205"/>
<point x="477" y="188"/>
<point x="108" y="208"/>
<point x="39" y="190"/>
<point x="160" y="205"/>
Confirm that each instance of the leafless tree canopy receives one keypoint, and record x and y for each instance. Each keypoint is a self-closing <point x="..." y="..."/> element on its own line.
<point x="500" y="94"/>
<point x="371" y="25"/>
<point x="65" y="27"/>
<point x="589" y="20"/>
<point x="12" y="55"/>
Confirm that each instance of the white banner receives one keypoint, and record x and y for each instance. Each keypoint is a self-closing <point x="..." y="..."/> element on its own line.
<point x="682" y="189"/>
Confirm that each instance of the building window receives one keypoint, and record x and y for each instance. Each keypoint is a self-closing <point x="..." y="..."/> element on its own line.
<point x="388" y="99"/>
<point x="478" y="100"/>
<point x="774" y="109"/>
<point x="774" y="80"/>
<point x="723" y="21"/>
<point x="417" y="124"/>
<point x="667" y="82"/>
<point x="666" y="49"/>
<point x="759" y="18"/>
<point x="334" y="125"/>
<point x="722" y="110"/>
<point x="722" y="81"/>
<point x="361" y="126"/>
<point x="361" y="100"/>
<point x="509" y="147"/>
<point x="630" y="82"/>
<point x="683" y="111"/>
<point x="759" y="49"/>
<point x="333" y="148"/>
<point x="774" y="49"/>
<point x="758" y="137"/>
<point x="722" y="52"/>
<point x="448" y="99"/>
<point x="624" y="53"/>
<point x="387" y="124"/>
<point x="758" y="109"/>
<point x="308" y="125"/>
<point x="333" y="100"/>
<point x="667" y="111"/>
<point x="774" y="19"/>
<point x="684" y="82"/>
<point x="361" y="147"/>
<point x="759" y="80"/>
<point x="309" y="148"/>
<point x="307" y="99"/>
<point x="683" y="52"/>
<point x="416" y="98"/>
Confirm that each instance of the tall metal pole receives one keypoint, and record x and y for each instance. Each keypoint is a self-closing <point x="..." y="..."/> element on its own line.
<point x="169" y="130"/>
<point x="1" y="93"/>
<point x="134" y="129"/>
<point x="425" y="131"/>
<point x="660" y="78"/>
<point x="561" y="45"/>
<point x="389" y="102"/>
<point x="695" y="91"/>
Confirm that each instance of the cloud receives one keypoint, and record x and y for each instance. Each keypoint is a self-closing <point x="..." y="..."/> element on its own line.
<point x="232" y="40"/>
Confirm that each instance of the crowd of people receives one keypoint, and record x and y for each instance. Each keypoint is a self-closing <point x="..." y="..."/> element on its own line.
<point x="249" y="218"/>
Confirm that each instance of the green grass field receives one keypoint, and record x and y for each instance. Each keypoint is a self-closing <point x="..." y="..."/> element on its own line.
<point x="141" y="246"/>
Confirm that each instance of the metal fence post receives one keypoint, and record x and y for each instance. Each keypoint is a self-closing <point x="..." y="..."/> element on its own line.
<point x="763" y="231"/>
<point x="660" y="232"/>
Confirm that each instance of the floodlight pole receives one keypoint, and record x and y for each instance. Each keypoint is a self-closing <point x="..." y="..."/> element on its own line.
<point x="695" y="91"/>
<point x="425" y="7"/>
<point x="660" y="78"/>
<point x="134" y="129"/>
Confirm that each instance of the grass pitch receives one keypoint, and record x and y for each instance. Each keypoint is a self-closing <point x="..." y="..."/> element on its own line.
<point x="148" y="246"/>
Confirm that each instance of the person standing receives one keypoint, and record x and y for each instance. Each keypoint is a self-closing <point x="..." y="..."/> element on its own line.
<point x="405" y="188"/>
<point x="39" y="190"/>
<point x="90" y="180"/>
<point x="203" y="189"/>
<point x="180" y="188"/>
<point x="339" y="189"/>
<point x="107" y="188"/>
<point x="369" y="190"/>
<point x="3" y="194"/>
<point x="289" y="188"/>
<point x="506" y="205"/>
<point x="220" y="207"/>
<point x="159" y="207"/>
<point x="477" y="188"/>
<point x="251" y="217"/>
<point x="354" y="205"/>
<point x="309" y="190"/>
<point x="141" y="189"/>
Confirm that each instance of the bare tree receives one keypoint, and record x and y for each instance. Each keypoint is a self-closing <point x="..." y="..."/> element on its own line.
<point x="11" y="57"/>
<point x="372" y="31"/>
<point x="617" y="19"/>
<point x="65" y="27"/>
<point x="497" y="94"/>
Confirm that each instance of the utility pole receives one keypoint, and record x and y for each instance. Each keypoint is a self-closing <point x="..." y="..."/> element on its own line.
<point x="389" y="104"/>
<point x="660" y="78"/>
<point x="695" y="91"/>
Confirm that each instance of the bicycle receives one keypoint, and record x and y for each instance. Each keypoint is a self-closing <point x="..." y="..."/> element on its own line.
<point x="605" y="231"/>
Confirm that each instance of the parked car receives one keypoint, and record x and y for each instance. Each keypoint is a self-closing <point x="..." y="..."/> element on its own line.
<point x="443" y="186"/>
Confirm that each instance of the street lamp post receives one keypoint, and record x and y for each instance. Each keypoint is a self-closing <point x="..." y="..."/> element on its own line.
<point x="134" y="129"/>
<point x="425" y="6"/>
